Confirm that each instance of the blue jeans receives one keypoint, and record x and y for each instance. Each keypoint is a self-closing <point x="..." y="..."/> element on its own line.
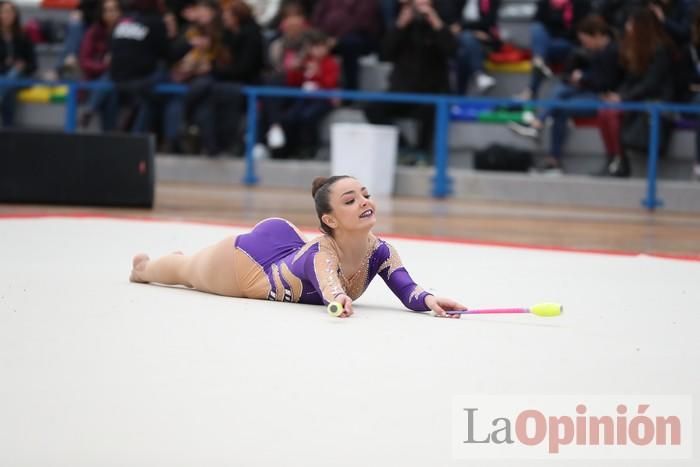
<point x="217" y="114"/>
<point x="351" y="47"/>
<point x="71" y="45"/>
<point x="550" y="49"/>
<point x="561" y="116"/>
<point x="139" y="94"/>
<point x="470" y="59"/>
<point x="97" y="103"/>
<point x="8" y="97"/>
<point x="696" y="100"/>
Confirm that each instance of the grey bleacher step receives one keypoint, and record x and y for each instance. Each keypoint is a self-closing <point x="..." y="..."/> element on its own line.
<point x="466" y="184"/>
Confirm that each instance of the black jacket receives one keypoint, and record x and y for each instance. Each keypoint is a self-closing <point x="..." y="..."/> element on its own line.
<point x="21" y="48"/>
<point x="420" y="56"/>
<point x="602" y="71"/>
<point x="555" y="21"/>
<point x="245" y="51"/>
<point x="139" y="45"/>
<point x="654" y="83"/>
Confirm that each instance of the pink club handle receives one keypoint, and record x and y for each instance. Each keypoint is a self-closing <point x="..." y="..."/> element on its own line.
<point x="489" y="311"/>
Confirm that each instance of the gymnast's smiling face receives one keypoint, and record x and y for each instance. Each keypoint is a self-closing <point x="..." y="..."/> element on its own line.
<point x="353" y="210"/>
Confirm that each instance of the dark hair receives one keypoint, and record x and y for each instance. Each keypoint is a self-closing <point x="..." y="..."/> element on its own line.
<point x="316" y="37"/>
<point x="15" y="28"/>
<point x="594" y="25"/>
<point x="320" y="190"/>
<point x="639" y="46"/>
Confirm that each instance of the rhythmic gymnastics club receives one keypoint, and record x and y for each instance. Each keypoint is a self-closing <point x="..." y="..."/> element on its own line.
<point x="547" y="310"/>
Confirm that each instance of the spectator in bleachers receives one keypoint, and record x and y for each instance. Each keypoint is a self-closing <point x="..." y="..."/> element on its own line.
<point x="17" y="58"/>
<point x="553" y="36"/>
<point x="420" y="46"/>
<point x="354" y="26"/>
<point x="594" y="72"/>
<point x="95" y="58"/>
<point x="288" y="46"/>
<point x="477" y="31"/>
<point x="647" y="55"/>
<point x="240" y="62"/>
<point x="140" y="48"/>
<point x="67" y="63"/>
<point x="294" y="123"/>
<point x="194" y="53"/>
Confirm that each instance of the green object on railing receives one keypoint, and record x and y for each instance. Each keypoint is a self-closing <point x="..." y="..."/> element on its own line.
<point x="501" y="116"/>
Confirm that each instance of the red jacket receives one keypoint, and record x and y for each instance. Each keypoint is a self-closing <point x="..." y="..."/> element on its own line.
<point x="326" y="75"/>
<point x="93" y="49"/>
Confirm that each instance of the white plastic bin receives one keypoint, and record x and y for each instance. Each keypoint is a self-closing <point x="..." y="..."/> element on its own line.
<point x="366" y="152"/>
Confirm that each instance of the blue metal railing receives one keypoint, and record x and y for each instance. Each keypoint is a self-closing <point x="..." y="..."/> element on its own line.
<point x="442" y="182"/>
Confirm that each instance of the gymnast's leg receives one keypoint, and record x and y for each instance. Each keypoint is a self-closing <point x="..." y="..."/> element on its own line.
<point x="209" y="270"/>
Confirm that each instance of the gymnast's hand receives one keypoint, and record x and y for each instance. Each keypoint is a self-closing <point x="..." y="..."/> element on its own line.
<point x="442" y="306"/>
<point x="347" y="305"/>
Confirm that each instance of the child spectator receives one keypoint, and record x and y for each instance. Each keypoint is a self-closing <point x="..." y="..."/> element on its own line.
<point x="17" y="58"/>
<point x="553" y="36"/>
<point x="477" y="31"/>
<point x="647" y="55"/>
<point x="594" y="74"/>
<point x="95" y="58"/>
<point x="296" y="121"/>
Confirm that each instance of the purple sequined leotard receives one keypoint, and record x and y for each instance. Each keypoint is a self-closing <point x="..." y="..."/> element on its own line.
<point x="277" y="263"/>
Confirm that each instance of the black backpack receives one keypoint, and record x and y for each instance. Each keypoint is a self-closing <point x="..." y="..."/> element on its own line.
<point x="503" y="158"/>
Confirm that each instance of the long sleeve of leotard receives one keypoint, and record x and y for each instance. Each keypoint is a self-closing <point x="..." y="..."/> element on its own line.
<point x="321" y="269"/>
<point x="399" y="281"/>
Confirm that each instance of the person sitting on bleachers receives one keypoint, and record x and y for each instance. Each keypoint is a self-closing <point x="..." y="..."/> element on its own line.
<point x="420" y="46"/>
<point x="477" y="32"/>
<point x="241" y="62"/>
<point x="194" y="53"/>
<point x="140" y="49"/>
<point x="296" y="120"/>
<point x="647" y="55"/>
<point x="553" y="36"/>
<point x="94" y="62"/>
<point x="293" y="25"/>
<point x="17" y="58"/>
<point x="593" y="71"/>
<point x="354" y="27"/>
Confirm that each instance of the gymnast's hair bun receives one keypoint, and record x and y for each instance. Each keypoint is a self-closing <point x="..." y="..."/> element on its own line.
<point x="317" y="184"/>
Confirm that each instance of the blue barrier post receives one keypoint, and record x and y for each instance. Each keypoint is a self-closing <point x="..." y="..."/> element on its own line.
<point x="250" y="136"/>
<point x="71" y="118"/>
<point x="651" y="202"/>
<point x="442" y="183"/>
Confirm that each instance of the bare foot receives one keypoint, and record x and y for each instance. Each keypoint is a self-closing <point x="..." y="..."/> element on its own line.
<point x="138" y="265"/>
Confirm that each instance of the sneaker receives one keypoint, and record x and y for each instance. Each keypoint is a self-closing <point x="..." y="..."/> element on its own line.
<point x="484" y="82"/>
<point x="525" y="129"/>
<point x="524" y="95"/>
<point x="548" y="167"/>
<point x="275" y="137"/>
<point x="260" y="152"/>
<point x="619" y="167"/>
<point x="542" y="67"/>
